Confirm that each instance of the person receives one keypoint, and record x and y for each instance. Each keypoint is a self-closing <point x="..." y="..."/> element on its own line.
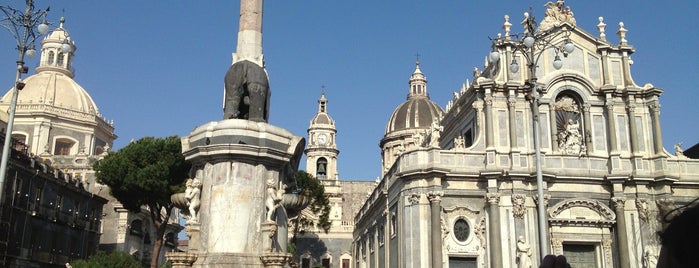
<point x="553" y="261"/>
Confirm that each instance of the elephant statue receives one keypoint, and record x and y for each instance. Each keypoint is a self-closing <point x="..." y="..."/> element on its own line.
<point x="247" y="92"/>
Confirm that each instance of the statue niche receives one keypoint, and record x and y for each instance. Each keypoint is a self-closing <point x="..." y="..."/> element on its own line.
<point x="246" y="93"/>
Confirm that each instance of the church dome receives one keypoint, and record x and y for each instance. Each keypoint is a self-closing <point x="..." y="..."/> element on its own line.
<point x="418" y="111"/>
<point x="53" y="83"/>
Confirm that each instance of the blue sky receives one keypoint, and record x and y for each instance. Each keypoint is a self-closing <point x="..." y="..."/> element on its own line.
<point x="156" y="67"/>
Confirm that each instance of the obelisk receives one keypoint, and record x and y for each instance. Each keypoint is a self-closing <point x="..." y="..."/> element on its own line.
<point x="250" y="33"/>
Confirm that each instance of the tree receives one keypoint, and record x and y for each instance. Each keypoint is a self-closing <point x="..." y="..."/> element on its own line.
<point x="312" y="188"/>
<point x="146" y="173"/>
<point x="116" y="259"/>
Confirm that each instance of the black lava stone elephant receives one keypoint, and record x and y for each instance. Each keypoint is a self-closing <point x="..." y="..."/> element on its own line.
<point x="247" y="92"/>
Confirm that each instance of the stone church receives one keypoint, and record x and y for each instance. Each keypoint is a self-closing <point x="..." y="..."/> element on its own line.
<point x="459" y="187"/>
<point x="60" y="123"/>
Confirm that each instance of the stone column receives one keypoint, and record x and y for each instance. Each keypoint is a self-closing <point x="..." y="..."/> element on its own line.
<point x="611" y="124"/>
<point x="554" y="129"/>
<point x="622" y="238"/>
<point x="489" y="121"/>
<point x="495" y="249"/>
<point x="631" y="108"/>
<point x="657" y="136"/>
<point x="588" y="127"/>
<point x="275" y="259"/>
<point x="436" y="232"/>
<point x="513" y="121"/>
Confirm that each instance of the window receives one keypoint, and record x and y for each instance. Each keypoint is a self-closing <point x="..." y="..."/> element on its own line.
<point x="325" y="262"/>
<point x="468" y="138"/>
<point x="321" y="168"/>
<point x="19" y="142"/>
<point x="345" y="263"/>
<point x="462" y="262"/>
<point x="580" y="255"/>
<point x="61" y="56"/>
<point x="52" y="55"/>
<point x="136" y="227"/>
<point x="63" y="147"/>
<point x="306" y="262"/>
<point x="461" y="230"/>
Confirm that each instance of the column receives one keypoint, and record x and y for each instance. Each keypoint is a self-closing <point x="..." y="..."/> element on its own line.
<point x="588" y="127"/>
<point x="554" y="128"/>
<point x="513" y="121"/>
<point x="436" y="232"/>
<point x="622" y="239"/>
<point x="611" y="124"/>
<point x="489" y="121"/>
<point x="249" y="45"/>
<point x="655" y="118"/>
<point x="495" y="243"/>
<point x="631" y="107"/>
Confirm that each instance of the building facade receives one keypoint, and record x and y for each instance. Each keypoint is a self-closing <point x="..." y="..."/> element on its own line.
<point x="463" y="193"/>
<point x="58" y="121"/>
<point x="48" y="217"/>
<point x="314" y="246"/>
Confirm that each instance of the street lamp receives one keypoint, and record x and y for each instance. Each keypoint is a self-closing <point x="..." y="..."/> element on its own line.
<point x="26" y="26"/>
<point x="531" y="46"/>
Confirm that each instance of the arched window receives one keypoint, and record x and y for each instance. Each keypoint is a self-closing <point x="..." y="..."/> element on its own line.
<point x="136" y="227"/>
<point x="52" y="55"/>
<point x="321" y="168"/>
<point x="569" y="124"/>
<point x="63" y="146"/>
<point x="60" y="59"/>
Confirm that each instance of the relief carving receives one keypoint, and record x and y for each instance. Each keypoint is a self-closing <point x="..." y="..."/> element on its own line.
<point x="643" y="211"/>
<point x="414" y="199"/>
<point x="518" y="209"/>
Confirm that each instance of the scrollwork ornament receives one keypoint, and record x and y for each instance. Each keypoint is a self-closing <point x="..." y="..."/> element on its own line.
<point x="607" y="247"/>
<point x="609" y="104"/>
<point x="488" y="100"/>
<point x="518" y="209"/>
<point x="586" y="107"/>
<point x="414" y="199"/>
<point x="547" y="197"/>
<point x="557" y="245"/>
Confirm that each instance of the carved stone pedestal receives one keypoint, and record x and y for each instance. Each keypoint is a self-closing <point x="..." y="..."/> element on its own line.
<point x="275" y="259"/>
<point x="192" y="229"/>
<point x="235" y="159"/>
<point x="181" y="259"/>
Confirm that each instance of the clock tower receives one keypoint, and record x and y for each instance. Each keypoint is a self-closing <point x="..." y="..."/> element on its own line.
<point x="321" y="153"/>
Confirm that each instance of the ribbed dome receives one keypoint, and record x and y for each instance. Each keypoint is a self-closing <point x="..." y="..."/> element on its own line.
<point x="55" y="89"/>
<point x="53" y="82"/>
<point x="418" y="111"/>
<point x="414" y="113"/>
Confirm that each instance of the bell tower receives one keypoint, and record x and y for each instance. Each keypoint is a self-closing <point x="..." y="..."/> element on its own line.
<point x="321" y="152"/>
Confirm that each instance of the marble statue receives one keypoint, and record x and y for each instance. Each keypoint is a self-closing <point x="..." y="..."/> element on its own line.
<point x="193" y="196"/>
<point x="435" y="132"/>
<point x="649" y="259"/>
<point x="246" y="92"/>
<point x="273" y="199"/>
<point x="524" y="253"/>
<point x="678" y="150"/>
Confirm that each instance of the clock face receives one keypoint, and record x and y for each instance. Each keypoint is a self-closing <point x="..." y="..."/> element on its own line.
<point x="322" y="139"/>
<point x="461" y="230"/>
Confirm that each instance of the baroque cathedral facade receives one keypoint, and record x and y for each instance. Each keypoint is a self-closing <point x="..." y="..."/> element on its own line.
<point x="459" y="185"/>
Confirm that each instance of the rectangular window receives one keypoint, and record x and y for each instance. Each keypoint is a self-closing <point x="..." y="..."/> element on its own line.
<point x="326" y="263"/>
<point x="468" y="138"/>
<point x="580" y="255"/>
<point x="306" y="263"/>
<point x="345" y="263"/>
<point x="462" y="262"/>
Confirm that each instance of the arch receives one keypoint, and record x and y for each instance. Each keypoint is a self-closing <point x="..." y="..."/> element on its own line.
<point x="569" y="122"/>
<point x="566" y="81"/>
<point x="569" y="211"/>
<point x="136" y="227"/>
<point x="321" y="168"/>
<point x="51" y="59"/>
<point x="64" y="145"/>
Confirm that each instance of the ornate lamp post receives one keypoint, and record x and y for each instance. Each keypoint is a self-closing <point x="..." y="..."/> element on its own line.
<point x="26" y="26"/>
<point x="532" y="44"/>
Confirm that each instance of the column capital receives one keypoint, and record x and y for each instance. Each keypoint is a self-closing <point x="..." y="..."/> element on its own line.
<point x="518" y="209"/>
<point x="618" y="202"/>
<point x="435" y="196"/>
<point x="493" y="198"/>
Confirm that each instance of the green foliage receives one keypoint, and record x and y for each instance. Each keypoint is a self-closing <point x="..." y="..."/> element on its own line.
<point x="320" y="206"/>
<point x="167" y="264"/>
<point x="116" y="259"/>
<point x="145" y="172"/>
